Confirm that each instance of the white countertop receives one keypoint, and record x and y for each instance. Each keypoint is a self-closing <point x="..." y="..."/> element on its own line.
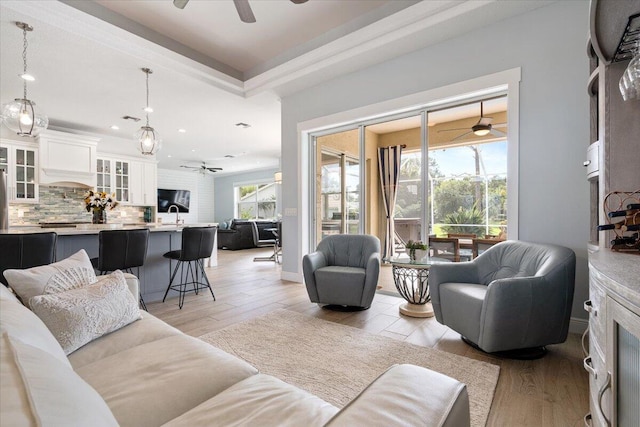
<point x="83" y="229"/>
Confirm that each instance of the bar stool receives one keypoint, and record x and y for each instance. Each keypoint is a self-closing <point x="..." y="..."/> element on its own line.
<point x="122" y="250"/>
<point x="197" y="244"/>
<point x="26" y="251"/>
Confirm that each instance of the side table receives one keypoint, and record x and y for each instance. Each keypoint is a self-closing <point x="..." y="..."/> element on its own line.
<point x="411" y="280"/>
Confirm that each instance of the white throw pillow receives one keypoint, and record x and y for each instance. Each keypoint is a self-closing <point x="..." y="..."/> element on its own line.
<point x="79" y="316"/>
<point x="46" y="391"/>
<point x="75" y="271"/>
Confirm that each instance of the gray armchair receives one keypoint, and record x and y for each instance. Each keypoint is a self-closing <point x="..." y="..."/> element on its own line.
<point x="515" y="295"/>
<point x="343" y="270"/>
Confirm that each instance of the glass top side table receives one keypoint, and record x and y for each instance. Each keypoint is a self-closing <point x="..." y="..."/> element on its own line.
<point x="411" y="280"/>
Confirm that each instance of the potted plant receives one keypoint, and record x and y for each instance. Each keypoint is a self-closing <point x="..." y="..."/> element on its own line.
<point x="417" y="250"/>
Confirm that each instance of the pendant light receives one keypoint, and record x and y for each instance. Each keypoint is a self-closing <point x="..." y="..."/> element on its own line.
<point x="147" y="137"/>
<point x="21" y="115"/>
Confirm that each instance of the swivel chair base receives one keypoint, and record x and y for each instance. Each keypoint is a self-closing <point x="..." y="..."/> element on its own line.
<point x="344" y="308"/>
<point x="532" y="353"/>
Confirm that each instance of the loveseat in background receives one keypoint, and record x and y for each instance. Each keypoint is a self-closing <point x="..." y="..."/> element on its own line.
<point x="239" y="235"/>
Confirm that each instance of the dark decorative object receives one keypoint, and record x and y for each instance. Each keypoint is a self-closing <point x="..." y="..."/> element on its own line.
<point x="99" y="216"/>
<point x="622" y="210"/>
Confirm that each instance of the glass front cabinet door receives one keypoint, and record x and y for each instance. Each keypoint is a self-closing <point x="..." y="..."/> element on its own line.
<point x="112" y="176"/>
<point x="20" y="162"/>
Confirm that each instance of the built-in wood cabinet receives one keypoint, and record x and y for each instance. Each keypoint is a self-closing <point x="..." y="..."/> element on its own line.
<point x="613" y="159"/>
<point x="20" y="161"/>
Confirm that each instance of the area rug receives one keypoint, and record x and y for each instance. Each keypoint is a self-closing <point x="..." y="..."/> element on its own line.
<point x="336" y="362"/>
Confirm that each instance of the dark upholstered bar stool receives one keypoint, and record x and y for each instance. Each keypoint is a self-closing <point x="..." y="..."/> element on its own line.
<point x="122" y="250"/>
<point x="197" y="244"/>
<point x="26" y="251"/>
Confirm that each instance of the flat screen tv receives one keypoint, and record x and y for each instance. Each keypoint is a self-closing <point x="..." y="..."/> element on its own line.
<point x="180" y="198"/>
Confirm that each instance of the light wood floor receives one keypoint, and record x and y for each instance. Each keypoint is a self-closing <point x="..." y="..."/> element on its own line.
<point x="552" y="391"/>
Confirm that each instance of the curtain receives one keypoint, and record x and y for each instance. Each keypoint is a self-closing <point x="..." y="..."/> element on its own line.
<point x="389" y="166"/>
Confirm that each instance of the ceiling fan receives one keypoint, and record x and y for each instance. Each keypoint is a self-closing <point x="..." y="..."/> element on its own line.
<point x="482" y="128"/>
<point x="203" y="168"/>
<point x="242" y="6"/>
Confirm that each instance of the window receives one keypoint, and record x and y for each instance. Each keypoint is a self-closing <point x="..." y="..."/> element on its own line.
<point x="255" y="201"/>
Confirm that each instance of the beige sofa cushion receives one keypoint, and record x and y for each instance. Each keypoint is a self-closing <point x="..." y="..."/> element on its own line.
<point x="148" y="329"/>
<point x="7" y="295"/>
<point x="22" y="323"/>
<point x="153" y="383"/>
<point x="79" y="316"/>
<point x="14" y="402"/>
<point x="260" y="400"/>
<point x="30" y="282"/>
<point x="56" y="395"/>
<point x="397" y="397"/>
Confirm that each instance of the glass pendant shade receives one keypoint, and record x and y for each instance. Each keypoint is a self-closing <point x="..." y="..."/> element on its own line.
<point x="23" y="118"/>
<point x="148" y="138"/>
<point x="21" y="115"/>
<point x="149" y="141"/>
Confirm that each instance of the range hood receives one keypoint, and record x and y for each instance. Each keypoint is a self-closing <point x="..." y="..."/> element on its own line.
<point x="67" y="160"/>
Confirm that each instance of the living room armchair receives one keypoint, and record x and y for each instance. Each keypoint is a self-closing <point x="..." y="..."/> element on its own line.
<point x="343" y="270"/>
<point x="514" y="296"/>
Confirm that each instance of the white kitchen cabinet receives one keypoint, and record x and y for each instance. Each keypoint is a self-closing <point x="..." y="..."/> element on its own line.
<point x="144" y="185"/>
<point x="67" y="159"/>
<point x="20" y="161"/>
<point x="113" y="175"/>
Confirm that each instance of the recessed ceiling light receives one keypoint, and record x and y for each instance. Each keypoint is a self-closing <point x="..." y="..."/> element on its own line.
<point x="168" y="155"/>
<point x="193" y="151"/>
<point x="27" y="77"/>
<point x="115" y="127"/>
<point x="182" y="130"/>
<point x="243" y="125"/>
<point x="148" y="109"/>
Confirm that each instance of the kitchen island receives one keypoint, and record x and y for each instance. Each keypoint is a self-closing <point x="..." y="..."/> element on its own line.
<point x="154" y="275"/>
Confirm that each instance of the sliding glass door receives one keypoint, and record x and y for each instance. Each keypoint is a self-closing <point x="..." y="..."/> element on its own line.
<point x="337" y="184"/>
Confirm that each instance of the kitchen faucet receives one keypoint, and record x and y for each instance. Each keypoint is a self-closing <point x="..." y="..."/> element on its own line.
<point x="177" y="210"/>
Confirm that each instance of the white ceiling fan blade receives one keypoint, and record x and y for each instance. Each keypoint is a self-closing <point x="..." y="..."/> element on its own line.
<point x="499" y="125"/>
<point x="180" y="4"/>
<point x="244" y="10"/>
<point x="462" y="136"/>
<point x="497" y="132"/>
<point x="448" y="130"/>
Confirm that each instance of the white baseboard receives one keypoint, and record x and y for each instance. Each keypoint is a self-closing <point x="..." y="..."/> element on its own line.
<point x="578" y="326"/>
<point x="292" y="277"/>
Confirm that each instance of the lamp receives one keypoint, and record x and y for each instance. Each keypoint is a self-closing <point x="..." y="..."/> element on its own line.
<point x="148" y="138"/>
<point x="481" y="130"/>
<point x="277" y="177"/>
<point x="21" y="115"/>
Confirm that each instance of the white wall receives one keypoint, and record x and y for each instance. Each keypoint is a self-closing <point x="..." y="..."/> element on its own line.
<point x="201" y="187"/>
<point x="224" y="197"/>
<point x="548" y="44"/>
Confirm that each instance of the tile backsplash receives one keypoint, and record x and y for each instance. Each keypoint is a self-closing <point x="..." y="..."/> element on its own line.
<point x="65" y="204"/>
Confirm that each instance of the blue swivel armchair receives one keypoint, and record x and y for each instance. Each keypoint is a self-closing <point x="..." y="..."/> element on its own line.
<point x="514" y="296"/>
<point x="343" y="270"/>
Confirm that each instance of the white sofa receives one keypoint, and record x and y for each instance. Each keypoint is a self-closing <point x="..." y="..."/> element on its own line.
<point x="150" y="374"/>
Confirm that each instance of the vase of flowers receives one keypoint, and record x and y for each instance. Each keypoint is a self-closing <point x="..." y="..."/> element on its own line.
<point x="417" y="250"/>
<point x="98" y="202"/>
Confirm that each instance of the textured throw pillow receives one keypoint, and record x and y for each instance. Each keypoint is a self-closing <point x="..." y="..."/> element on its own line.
<point x="67" y="274"/>
<point x="79" y="316"/>
<point x="40" y="390"/>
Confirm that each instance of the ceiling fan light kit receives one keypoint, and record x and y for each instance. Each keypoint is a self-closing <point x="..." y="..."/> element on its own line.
<point x="482" y="128"/>
<point x="149" y="142"/>
<point x="21" y="115"/>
